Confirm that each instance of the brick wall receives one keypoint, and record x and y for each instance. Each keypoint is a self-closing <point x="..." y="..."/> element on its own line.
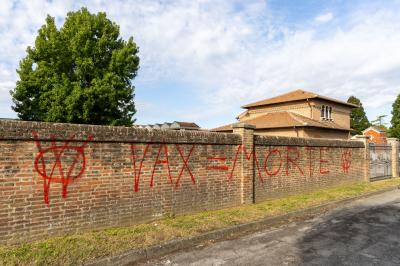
<point x="375" y="136"/>
<point x="59" y="178"/>
<point x="289" y="165"/>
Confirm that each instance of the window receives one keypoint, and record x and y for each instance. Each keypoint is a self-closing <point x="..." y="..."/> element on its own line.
<point x="326" y="112"/>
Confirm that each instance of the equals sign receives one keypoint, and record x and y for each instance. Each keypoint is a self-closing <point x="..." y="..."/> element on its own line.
<point x="217" y="167"/>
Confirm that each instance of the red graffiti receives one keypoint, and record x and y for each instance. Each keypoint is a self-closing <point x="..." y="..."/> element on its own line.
<point x="65" y="173"/>
<point x="217" y="167"/>
<point x="248" y="156"/>
<point x="158" y="161"/>
<point x="138" y="173"/>
<point x="346" y="160"/>
<point x="163" y="148"/>
<point x="310" y="160"/>
<point x="291" y="160"/>
<point x="270" y="153"/>
<point x="185" y="165"/>
<point x="322" y="171"/>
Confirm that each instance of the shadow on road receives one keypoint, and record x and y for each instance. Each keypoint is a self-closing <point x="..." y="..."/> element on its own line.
<point x="368" y="237"/>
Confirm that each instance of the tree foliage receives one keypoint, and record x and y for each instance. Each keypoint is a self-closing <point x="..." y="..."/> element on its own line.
<point x="80" y="73"/>
<point x="395" y="121"/>
<point x="358" y="118"/>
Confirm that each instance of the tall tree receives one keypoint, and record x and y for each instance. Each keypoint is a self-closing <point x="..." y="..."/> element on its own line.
<point x="80" y="73"/>
<point x="395" y="121"/>
<point x="358" y="118"/>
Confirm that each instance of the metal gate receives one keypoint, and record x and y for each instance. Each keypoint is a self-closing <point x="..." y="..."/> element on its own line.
<point x="380" y="161"/>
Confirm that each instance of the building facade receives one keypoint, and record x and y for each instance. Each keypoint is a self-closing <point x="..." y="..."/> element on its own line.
<point x="298" y="114"/>
<point x="376" y="135"/>
<point x="176" y="125"/>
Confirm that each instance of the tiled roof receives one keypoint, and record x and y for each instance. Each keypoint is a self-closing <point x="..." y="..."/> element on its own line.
<point x="187" y="124"/>
<point x="295" y="95"/>
<point x="376" y="128"/>
<point x="176" y="125"/>
<point x="284" y="119"/>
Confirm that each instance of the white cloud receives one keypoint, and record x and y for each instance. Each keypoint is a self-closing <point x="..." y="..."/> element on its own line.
<point x="323" y="18"/>
<point x="233" y="53"/>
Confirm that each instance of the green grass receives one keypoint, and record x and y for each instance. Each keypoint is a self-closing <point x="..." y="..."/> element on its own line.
<point x="74" y="249"/>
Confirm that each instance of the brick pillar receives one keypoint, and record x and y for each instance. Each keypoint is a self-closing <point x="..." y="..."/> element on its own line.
<point x="395" y="156"/>
<point x="366" y="164"/>
<point x="247" y="165"/>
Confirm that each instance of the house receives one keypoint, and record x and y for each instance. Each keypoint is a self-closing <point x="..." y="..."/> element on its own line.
<point x="184" y="126"/>
<point x="176" y="125"/>
<point x="298" y="113"/>
<point x="376" y="134"/>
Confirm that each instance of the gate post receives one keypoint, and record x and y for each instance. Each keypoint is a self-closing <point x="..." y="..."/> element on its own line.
<point x="395" y="155"/>
<point x="364" y="139"/>
<point x="247" y="165"/>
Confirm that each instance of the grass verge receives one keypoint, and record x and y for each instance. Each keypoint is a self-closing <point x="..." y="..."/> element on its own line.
<point x="77" y="248"/>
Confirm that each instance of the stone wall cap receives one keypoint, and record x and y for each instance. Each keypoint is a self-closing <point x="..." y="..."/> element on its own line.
<point x="306" y="142"/>
<point x="43" y="131"/>
<point x="392" y="139"/>
<point x="361" y="137"/>
<point x="243" y="125"/>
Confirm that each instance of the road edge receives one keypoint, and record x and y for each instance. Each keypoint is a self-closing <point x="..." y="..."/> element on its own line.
<point x="137" y="255"/>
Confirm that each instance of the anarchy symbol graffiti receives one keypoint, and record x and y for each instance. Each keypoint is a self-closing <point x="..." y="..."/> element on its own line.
<point x="52" y="166"/>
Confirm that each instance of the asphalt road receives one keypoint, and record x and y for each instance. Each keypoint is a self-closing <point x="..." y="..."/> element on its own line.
<point x="364" y="232"/>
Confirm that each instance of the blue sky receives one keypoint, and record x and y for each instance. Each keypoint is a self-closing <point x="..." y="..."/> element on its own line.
<point x="202" y="60"/>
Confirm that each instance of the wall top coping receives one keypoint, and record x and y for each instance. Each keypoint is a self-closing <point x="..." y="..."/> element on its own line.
<point x="25" y="130"/>
<point x="310" y="142"/>
<point x="361" y="137"/>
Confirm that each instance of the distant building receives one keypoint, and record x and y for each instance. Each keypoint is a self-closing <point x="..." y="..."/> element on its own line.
<point x="184" y="126"/>
<point x="298" y="114"/>
<point x="376" y="134"/>
<point x="166" y="125"/>
<point x="176" y="125"/>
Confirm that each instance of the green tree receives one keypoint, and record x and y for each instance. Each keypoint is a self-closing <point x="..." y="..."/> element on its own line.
<point x="358" y="118"/>
<point x="80" y="73"/>
<point x="395" y="121"/>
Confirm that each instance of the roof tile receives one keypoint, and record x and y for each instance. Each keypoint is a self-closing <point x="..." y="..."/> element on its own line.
<point x="295" y="95"/>
<point x="284" y="119"/>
